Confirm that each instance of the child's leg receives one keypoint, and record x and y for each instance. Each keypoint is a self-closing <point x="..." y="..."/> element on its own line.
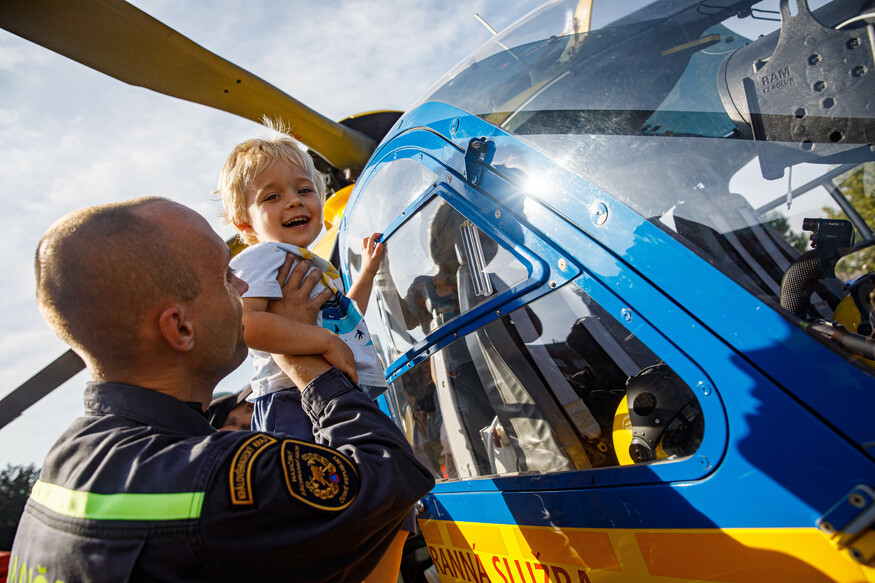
<point x="389" y="566"/>
<point x="281" y="412"/>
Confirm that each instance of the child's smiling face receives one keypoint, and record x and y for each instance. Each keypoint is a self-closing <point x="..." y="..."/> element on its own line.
<point x="283" y="206"/>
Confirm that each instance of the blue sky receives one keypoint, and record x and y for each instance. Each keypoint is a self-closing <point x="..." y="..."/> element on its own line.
<point x="71" y="137"/>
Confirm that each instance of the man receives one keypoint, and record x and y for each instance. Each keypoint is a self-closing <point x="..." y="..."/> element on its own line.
<point x="141" y="488"/>
<point x="231" y="412"/>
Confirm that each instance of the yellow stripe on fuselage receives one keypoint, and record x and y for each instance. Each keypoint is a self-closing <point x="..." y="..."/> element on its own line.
<point x="475" y="552"/>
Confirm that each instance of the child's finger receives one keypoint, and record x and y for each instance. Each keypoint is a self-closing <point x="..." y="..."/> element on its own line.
<point x="368" y="243"/>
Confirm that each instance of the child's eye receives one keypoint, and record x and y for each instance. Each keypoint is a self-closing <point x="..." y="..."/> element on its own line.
<point x="273" y="196"/>
<point x="305" y="190"/>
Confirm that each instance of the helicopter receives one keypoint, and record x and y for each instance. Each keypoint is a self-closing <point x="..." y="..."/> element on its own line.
<point x="625" y="303"/>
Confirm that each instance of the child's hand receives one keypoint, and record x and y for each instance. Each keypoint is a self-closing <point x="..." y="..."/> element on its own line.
<point x="340" y="356"/>
<point x="372" y="251"/>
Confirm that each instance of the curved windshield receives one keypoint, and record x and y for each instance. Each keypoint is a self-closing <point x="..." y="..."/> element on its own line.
<point x="739" y="146"/>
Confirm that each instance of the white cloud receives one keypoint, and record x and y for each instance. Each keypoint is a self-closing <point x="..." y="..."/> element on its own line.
<point x="72" y="137"/>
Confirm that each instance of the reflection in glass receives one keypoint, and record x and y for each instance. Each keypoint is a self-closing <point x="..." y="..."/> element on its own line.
<point x="394" y="186"/>
<point x="425" y="262"/>
<point x="554" y="386"/>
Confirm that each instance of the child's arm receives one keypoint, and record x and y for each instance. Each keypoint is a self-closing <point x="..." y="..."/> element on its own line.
<point x="293" y="332"/>
<point x="360" y="290"/>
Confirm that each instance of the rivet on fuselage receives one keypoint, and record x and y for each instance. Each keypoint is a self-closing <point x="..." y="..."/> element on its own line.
<point x="598" y="213"/>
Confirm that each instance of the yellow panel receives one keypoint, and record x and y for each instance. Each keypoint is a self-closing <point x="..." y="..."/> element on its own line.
<point x="332" y="212"/>
<point x="512" y="554"/>
<point x="484" y="538"/>
<point x="748" y="556"/>
<point x="431" y="531"/>
<point x="569" y="546"/>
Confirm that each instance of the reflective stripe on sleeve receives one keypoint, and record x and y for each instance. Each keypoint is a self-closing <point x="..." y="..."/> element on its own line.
<point x="88" y="505"/>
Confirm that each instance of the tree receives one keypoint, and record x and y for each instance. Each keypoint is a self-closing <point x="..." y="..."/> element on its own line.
<point x="780" y="223"/>
<point x="858" y="187"/>
<point x="16" y="483"/>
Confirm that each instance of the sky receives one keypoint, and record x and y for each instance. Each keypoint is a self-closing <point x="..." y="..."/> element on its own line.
<point x="72" y="137"/>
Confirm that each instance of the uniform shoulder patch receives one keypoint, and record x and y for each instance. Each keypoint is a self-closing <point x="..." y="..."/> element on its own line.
<point x="240" y="476"/>
<point x="319" y="476"/>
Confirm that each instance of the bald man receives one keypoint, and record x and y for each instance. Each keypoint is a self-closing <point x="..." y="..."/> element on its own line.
<point x="142" y="488"/>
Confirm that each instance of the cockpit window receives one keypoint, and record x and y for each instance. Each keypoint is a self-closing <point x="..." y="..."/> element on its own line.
<point x="740" y="147"/>
<point x="425" y="262"/>
<point x="557" y="385"/>
<point x="394" y="186"/>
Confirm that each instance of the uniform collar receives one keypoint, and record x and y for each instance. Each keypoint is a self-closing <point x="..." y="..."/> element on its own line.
<point x="145" y="406"/>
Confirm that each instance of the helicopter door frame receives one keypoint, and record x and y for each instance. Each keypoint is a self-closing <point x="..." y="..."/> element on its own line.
<point x="541" y="219"/>
<point x="516" y="222"/>
<point x="546" y="264"/>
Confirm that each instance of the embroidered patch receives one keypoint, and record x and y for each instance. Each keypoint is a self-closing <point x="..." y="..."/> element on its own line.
<point x="240" y="476"/>
<point x="319" y="476"/>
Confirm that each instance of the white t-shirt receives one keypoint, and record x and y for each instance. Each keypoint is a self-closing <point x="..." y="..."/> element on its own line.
<point x="257" y="265"/>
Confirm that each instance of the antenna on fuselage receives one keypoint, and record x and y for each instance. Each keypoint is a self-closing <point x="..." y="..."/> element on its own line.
<point x="486" y="24"/>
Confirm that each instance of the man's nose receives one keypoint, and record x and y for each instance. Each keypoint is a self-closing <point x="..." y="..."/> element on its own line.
<point x="239" y="285"/>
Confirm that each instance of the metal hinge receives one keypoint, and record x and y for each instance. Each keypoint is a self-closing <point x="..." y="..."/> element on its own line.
<point x="849" y="524"/>
<point x="477" y="157"/>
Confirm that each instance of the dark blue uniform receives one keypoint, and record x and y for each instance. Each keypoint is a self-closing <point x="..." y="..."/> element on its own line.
<point x="141" y="488"/>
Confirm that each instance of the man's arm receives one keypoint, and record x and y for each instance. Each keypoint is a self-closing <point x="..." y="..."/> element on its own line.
<point x="291" y="330"/>
<point x="313" y="512"/>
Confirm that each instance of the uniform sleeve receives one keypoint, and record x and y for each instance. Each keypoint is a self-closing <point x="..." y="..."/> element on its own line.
<point x="283" y="509"/>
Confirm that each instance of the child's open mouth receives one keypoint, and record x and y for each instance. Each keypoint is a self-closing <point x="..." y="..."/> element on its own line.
<point x="297" y="223"/>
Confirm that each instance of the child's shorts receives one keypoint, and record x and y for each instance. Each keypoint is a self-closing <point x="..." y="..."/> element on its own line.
<point x="282" y="412"/>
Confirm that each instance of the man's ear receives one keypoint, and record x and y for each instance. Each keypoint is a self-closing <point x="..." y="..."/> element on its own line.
<point x="176" y="328"/>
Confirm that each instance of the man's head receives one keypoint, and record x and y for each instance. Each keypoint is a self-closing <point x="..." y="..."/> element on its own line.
<point x="231" y="412"/>
<point x="272" y="192"/>
<point x="139" y="284"/>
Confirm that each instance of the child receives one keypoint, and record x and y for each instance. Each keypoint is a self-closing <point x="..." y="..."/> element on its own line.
<point x="273" y="196"/>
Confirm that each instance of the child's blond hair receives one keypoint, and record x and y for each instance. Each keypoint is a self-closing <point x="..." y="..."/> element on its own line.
<point x="249" y="159"/>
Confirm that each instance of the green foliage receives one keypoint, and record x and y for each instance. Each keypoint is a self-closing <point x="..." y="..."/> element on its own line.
<point x="15" y="485"/>
<point x="859" y="187"/>
<point x="780" y="223"/>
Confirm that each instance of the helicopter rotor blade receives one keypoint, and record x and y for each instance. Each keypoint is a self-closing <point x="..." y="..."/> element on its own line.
<point x="39" y="385"/>
<point x="120" y="40"/>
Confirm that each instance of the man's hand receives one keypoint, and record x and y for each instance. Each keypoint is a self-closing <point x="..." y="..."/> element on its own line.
<point x="340" y="356"/>
<point x="296" y="303"/>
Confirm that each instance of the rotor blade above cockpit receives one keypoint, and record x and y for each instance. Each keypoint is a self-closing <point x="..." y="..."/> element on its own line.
<point x="118" y="39"/>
